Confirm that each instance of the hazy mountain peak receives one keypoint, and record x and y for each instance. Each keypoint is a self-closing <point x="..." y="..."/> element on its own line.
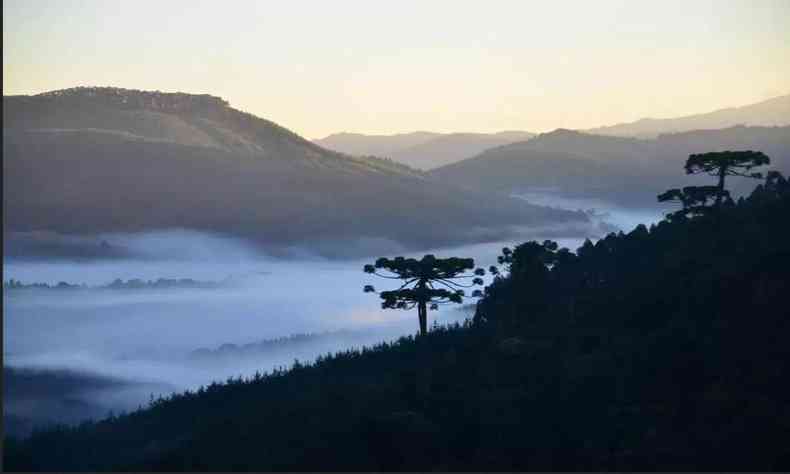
<point x="767" y="113"/>
<point x="566" y="136"/>
<point x="561" y="133"/>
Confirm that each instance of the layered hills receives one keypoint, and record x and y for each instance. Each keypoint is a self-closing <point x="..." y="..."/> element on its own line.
<point x="768" y="113"/>
<point x="621" y="170"/>
<point x="421" y="150"/>
<point x="94" y="160"/>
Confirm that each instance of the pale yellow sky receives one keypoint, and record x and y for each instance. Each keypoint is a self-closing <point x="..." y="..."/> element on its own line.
<point x="386" y="67"/>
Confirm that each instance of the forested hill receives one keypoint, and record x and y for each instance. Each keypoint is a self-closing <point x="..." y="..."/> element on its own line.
<point x="85" y="161"/>
<point x="663" y="348"/>
<point x="626" y="172"/>
<point x="185" y="119"/>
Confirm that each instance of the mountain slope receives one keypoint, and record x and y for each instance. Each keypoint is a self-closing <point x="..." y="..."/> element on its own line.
<point x="421" y="150"/>
<point x="90" y="160"/>
<point x="625" y="171"/>
<point x="768" y="113"/>
<point x="660" y="349"/>
<point x="453" y="147"/>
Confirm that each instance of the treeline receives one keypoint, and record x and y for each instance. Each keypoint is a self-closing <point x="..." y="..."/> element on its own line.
<point x="662" y="348"/>
<point x="134" y="98"/>
<point x="301" y="346"/>
<point x="117" y="284"/>
<point x="13" y="284"/>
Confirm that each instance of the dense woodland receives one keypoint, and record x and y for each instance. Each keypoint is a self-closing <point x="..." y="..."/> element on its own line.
<point x="661" y="348"/>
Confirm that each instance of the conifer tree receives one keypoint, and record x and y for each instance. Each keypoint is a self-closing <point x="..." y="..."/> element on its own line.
<point x="428" y="283"/>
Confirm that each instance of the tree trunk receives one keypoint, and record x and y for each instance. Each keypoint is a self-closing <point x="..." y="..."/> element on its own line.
<point x="722" y="174"/>
<point x="422" y="312"/>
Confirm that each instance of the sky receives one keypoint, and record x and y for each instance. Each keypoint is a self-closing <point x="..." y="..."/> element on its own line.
<point x="390" y="67"/>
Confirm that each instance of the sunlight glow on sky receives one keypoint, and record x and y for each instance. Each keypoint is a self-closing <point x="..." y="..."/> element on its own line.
<point x="389" y="67"/>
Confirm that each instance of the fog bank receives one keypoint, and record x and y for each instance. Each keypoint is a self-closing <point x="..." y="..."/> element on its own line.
<point x="134" y="343"/>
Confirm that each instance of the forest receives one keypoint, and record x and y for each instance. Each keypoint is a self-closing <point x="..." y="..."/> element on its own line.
<point x="661" y="348"/>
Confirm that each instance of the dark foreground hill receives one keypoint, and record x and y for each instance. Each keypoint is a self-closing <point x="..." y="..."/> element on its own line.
<point x="93" y="160"/>
<point x="623" y="171"/>
<point x="661" y="349"/>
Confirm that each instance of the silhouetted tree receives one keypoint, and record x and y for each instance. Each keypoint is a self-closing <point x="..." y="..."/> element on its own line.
<point x="726" y="163"/>
<point x="423" y="284"/>
<point x="527" y="267"/>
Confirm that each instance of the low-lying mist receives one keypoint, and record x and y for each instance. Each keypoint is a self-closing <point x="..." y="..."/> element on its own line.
<point x="136" y="342"/>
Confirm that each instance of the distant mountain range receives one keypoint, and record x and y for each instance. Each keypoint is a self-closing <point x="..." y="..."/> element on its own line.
<point x="91" y="160"/>
<point x="624" y="171"/>
<point x="429" y="150"/>
<point x="85" y="161"/>
<point x="768" y="113"/>
<point x="421" y="150"/>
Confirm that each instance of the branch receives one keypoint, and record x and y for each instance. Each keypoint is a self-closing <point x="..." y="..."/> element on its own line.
<point x="458" y="285"/>
<point x="745" y="175"/>
<point x="446" y="283"/>
<point x="407" y="283"/>
<point x="387" y="276"/>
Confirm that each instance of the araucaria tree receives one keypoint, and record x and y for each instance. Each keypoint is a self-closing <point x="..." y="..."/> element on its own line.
<point x="428" y="283"/>
<point x="719" y="164"/>
<point x="726" y="163"/>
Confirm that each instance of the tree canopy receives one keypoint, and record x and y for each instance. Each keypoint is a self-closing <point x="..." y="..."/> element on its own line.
<point x="695" y="199"/>
<point x="722" y="164"/>
<point x="429" y="281"/>
<point x="730" y="163"/>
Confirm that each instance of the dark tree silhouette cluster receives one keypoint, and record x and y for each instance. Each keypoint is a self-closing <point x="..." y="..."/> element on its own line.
<point x="696" y="200"/>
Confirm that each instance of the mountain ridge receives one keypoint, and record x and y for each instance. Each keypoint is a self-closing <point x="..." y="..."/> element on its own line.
<point x="625" y="171"/>
<point x="421" y="150"/>
<point x="774" y="111"/>
<point x="770" y="112"/>
<point x="218" y="125"/>
<point x="205" y="166"/>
